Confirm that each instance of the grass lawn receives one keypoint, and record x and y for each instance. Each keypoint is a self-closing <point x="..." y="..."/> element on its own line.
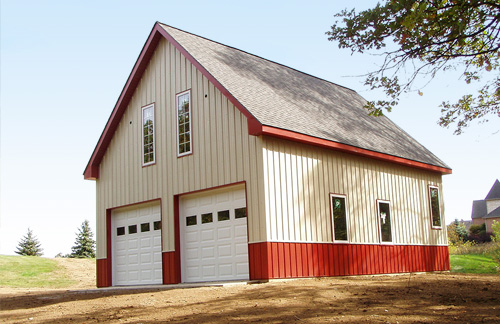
<point x="31" y="272"/>
<point x="474" y="263"/>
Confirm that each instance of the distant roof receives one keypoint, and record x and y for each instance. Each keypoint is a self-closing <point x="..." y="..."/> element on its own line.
<point x="282" y="97"/>
<point x="478" y="209"/>
<point x="494" y="213"/>
<point x="494" y="191"/>
<point x="278" y="101"/>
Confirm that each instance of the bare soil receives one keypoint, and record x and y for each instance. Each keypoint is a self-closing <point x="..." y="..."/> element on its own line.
<point x="419" y="298"/>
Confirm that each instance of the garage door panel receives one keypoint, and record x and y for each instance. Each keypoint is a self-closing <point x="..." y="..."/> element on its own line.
<point x="208" y="250"/>
<point x="208" y="271"/>
<point x="241" y="268"/>
<point x="224" y="233"/>
<point x="224" y="250"/>
<point x="240" y="230"/>
<point x="136" y="245"/>
<point x="207" y="235"/>
<point x="132" y="244"/>
<point x="226" y="269"/>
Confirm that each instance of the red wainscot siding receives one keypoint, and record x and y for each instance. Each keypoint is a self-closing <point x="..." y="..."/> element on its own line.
<point x="103" y="274"/>
<point x="170" y="273"/>
<point x="272" y="260"/>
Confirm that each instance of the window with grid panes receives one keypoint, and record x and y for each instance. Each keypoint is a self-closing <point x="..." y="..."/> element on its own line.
<point x="184" y="123"/>
<point x="148" y="135"/>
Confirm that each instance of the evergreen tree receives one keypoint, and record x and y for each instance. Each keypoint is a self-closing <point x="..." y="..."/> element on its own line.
<point x="84" y="243"/>
<point x="29" y="245"/>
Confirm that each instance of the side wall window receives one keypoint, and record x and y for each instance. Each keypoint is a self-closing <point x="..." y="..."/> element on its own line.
<point x="434" y="204"/>
<point x="148" y="135"/>
<point x="339" y="218"/>
<point x="384" y="220"/>
<point x="183" y="102"/>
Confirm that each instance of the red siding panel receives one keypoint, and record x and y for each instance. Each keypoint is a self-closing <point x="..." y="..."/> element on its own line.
<point x="169" y="268"/>
<point x="288" y="269"/>
<point x="294" y="260"/>
<point x="102" y="273"/>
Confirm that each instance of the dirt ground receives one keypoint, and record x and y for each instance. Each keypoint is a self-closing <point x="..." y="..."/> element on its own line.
<point x="419" y="298"/>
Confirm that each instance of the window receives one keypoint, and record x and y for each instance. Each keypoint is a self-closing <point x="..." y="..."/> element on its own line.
<point x="132" y="229"/>
<point x="184" y="123"/>
<point x="434" y="203"/>
<point x="240" y="212"/>
<point x="191" y="220"/>
<point x="223" y="215"/>
<point x="206" y="218"/>
<point x="339" y="218"/>
<point x="384" y="220"/>
<point x="120" y="231"/>
<point x="157" y="225"/>
<point x="145" y="227"/>
<point x="148" y="135"/>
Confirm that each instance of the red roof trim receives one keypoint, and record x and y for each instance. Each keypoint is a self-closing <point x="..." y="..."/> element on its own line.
<point x="92" y="170"/>
<point x="311" y="140"/>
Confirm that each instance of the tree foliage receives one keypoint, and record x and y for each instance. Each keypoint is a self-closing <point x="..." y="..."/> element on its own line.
<point x="29" y="245"/>
<point x="457" y="233"/>
<point x="429" y="37"/>
<point x="84" y="244"/>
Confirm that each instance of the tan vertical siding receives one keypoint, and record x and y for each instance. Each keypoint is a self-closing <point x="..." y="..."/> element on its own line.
<point x="223" y="152"/>
<point x="299" y="178"/>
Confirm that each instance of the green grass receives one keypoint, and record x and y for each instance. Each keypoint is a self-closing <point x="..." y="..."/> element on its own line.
<point x="474" y="263"/>
<point x="31" y="272"/>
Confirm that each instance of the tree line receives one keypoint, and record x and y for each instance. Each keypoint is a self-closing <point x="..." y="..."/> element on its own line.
<point x="84" y="244"/>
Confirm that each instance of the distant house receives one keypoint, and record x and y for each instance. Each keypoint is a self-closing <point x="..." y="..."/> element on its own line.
<point x="217" y="164"/>
<point x="488" y="209"/>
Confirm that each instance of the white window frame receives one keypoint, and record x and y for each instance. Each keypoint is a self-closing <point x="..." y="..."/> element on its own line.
<point x="142" y="135"/>
<point x="380" y="225"/>
<point x="439" y="205"/>
<point x="333" y="220"/>
<point x="190" y="124"/>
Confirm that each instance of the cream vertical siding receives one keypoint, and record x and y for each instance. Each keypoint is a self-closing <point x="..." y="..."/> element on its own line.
<point x="223" y="152"/>
<point x="299" y="178"/>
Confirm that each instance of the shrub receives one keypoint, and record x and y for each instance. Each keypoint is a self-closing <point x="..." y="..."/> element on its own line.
<point x="478" y="234"/>
<point x="495" y="228"/>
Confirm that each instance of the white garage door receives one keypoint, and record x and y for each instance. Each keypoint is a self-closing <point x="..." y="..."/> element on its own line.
<point x="213" y="228"/>
<point x="136" y="245"/>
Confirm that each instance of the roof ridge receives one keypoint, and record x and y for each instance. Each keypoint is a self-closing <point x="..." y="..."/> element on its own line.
<point x="259" y="57"/>
<point x="494" y="192"/>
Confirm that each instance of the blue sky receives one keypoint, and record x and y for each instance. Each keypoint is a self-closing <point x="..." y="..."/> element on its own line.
<point x="63" y="65"/>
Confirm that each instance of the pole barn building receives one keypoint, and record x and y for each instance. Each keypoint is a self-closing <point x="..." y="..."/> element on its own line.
<point x="217" y="164"/>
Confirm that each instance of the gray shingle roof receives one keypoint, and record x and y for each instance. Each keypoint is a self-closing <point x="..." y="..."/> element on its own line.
<point x="285" y="98"/>
<point x="478" y="209"/>
<point x="494" y="213"/>
<point x="494" y="192"/>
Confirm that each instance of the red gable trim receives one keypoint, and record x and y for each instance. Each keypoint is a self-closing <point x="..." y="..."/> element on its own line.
<point x="92" y="170"/>
<point x="307" y="139"/>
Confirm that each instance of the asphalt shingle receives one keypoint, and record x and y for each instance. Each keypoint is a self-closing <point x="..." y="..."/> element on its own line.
<point x="282" y="97"/>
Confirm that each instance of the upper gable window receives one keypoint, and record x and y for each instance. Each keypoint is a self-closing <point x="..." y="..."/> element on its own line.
<point x="183" y="101"/>
<point x="384" y="221"/>
<point x="148" y="135"/>
<point x="434" y="204"/>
